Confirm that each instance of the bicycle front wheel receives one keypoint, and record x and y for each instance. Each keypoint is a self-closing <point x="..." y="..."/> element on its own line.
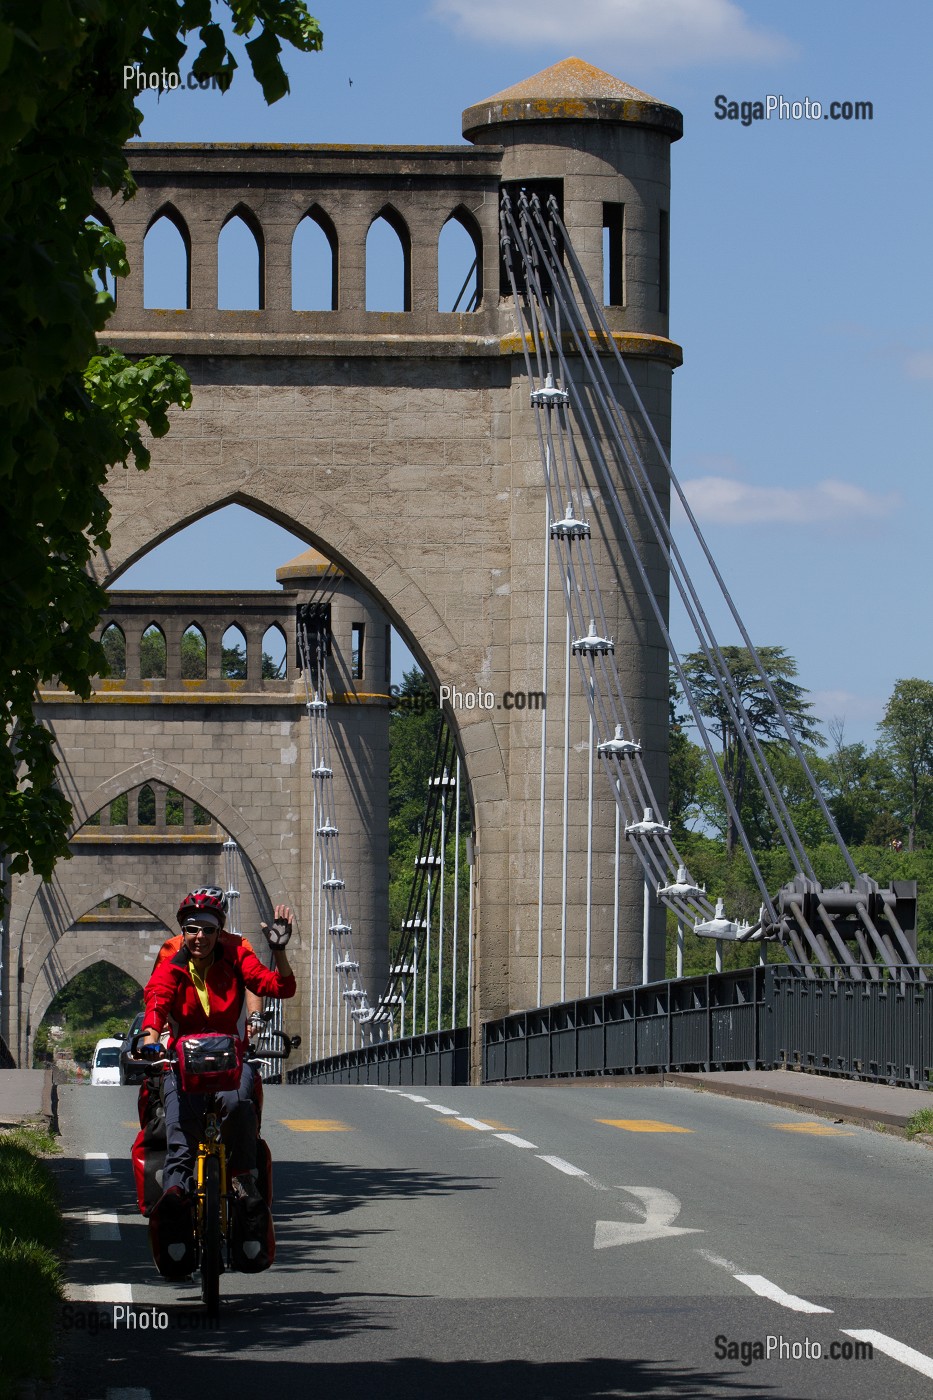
<point x="211" y="1237"/>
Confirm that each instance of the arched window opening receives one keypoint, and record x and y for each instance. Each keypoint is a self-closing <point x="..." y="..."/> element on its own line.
<point x="94" y="819"/>
<point x="120" y="810"/>
<point x="174" y="808"/>
<point x="314" y="264"/>
<point x="193" y="654"/>
<point x="113" y="642"/>
<point x="274" y="654"/>
<point x="459" y="265"/>
<point x="388" y="264"/>
<point x="152" y="654"/>
<point x="104" y="279"/>
<point x="167" y="264"/>
<point x="200" y="815"/>
<point x="240" y="271"/>
<point x="233" y="655"/>
<point x="145" y="806"/>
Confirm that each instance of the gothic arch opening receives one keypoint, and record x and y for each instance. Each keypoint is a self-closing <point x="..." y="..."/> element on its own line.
<point x="167" y="262"/>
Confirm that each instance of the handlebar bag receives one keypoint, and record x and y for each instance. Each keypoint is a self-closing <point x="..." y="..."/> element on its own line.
<point x="208" y="1063"/>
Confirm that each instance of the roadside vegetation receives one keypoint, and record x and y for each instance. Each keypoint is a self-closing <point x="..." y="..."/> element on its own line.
<point x="30" y="1268"/>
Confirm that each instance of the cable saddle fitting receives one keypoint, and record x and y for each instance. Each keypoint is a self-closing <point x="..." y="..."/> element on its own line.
<point x="719" y="926"/>
<point x="592" y="644"/>
<point x="549" y="395"/>
<point x="619" y="744"/>
<point x="647" y="826"/>
<point x="570" y="528"/>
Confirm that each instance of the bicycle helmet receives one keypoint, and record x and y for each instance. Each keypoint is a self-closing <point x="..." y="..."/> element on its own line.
<point x="210" y="899"/>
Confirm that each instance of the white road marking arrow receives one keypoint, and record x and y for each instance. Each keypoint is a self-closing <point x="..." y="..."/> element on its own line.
<point x="661" y="1208"/>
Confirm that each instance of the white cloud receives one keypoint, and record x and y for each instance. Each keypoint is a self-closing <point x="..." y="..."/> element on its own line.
<point x="671" y="34"/>
<point x="857" y="710"/>
<point x="724" y="500"/>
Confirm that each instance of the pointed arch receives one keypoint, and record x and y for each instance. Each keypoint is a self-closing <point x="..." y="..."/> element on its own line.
<point x="113" y="641"/>
<point x="274" y="654"/>
<point x="233" y="654"/>
<point x="167" y="261"/>
<point x="152" y="653"/>
<point x="315" y="263"/>
<point x="193" y="653"/>
<point x="388" y="262"/>
<point x="460" y="262"/>
<point x="241" y="262"/>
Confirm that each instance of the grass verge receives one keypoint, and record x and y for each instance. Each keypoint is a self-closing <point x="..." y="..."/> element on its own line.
<point x="920" y="1122"/>
<point x="30" y="1269"/>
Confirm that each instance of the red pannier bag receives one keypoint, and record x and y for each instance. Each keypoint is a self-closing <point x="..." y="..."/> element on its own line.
<point x="208" y="1063"/>
<point x="148" y="1151"/>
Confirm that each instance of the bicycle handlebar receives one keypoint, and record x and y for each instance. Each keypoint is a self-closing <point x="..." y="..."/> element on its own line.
<point x="288" y="1042"/>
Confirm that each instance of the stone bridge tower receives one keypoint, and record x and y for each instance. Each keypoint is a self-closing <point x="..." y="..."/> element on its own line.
<point x="403" y="445"/>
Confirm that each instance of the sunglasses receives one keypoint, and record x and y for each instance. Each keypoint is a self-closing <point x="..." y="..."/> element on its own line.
<point x="199" y="928"/>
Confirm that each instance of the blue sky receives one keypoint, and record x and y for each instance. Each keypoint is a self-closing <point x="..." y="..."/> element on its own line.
<point x="800" y="288"/>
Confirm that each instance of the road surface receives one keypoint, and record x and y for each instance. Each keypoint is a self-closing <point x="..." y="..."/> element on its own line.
<point x="523" y="1243"/>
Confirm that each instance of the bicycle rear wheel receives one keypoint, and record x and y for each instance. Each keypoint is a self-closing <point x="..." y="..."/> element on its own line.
<point x="211" y="1237"/>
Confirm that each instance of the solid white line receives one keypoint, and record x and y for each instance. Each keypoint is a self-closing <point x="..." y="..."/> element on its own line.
<point x="96" y="1164"/>
<point x="899" y="1351"/>
<point x="766" y="1289"/>
<point x="475" y="1123"/>
<point x="101" y="1225"/>
<point x="439" y="1108"/>
<point x="517" y="1141"/>
<point x="100" y="1292"/>
<point x="567" y="1167"/>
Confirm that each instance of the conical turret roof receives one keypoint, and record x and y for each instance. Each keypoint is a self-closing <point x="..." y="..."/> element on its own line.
<point x="573" y="90"/>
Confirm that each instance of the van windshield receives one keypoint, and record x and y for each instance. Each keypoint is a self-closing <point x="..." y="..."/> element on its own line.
<point x="108" y="1058"/>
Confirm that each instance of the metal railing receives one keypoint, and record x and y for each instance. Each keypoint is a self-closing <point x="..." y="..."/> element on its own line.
<point x="438" y="1058"/>
<point x="753" y="1018"/>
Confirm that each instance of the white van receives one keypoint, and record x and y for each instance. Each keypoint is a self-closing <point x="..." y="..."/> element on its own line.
<point x="105" y="1066"/>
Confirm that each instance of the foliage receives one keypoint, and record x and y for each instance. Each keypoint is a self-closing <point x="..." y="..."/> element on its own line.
<point x="93" y="997"/>
<point x="413" y="730"/>
<point x="69" y="410"/>
<point x="30" y="1272"/>
<point x="919" y="1122"/>
<point x="907" y="730"/>
<point x="759" y="714"/>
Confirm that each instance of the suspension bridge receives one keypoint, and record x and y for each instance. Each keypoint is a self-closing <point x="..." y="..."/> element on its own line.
<point x="493" y="478"/>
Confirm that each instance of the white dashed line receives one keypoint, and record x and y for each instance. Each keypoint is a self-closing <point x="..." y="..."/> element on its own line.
<point x="898" y="1351"/>
<point x="100" y="1293"/>
<point x="766" y="1289"/>
<point x="570" y="1170"/>
<point x="439" y="1108"/>
<point x="476" y="1123"/>
<point x="96" y="1164"/>
<point x="415" y="1098"/>
<point x="718" y="1261"/>
<point x="102" y="1226"/>
<point x="517" y="1141"/>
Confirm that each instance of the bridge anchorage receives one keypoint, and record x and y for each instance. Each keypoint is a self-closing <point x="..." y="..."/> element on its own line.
<point x="495" y="483"/>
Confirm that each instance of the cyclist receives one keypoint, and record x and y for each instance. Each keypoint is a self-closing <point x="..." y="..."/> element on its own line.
<point x="201" y="988"/>
<point x="172" y="945"/>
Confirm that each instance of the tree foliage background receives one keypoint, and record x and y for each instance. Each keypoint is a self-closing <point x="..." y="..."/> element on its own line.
<point x="70" y="409"/>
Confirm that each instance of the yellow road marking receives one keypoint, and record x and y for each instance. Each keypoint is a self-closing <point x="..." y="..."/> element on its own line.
<point x="130" y="1124"/>
<point x="315" y="1125"/>
<point x="490" y="1123"/>
<point x="817" y="1129"/>
<point x="643" y="1125"/>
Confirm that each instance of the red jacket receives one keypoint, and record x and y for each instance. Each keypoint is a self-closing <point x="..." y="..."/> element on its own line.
<point x="171" y="998"/>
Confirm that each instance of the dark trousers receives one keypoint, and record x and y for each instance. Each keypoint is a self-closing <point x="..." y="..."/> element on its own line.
<point x="184" y="1117"/>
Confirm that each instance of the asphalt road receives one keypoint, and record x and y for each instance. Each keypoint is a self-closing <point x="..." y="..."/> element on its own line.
<point x="521" y="1243"/>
